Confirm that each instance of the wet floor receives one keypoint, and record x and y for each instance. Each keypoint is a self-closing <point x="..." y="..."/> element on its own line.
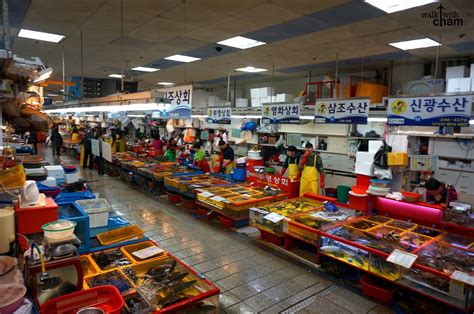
<point x="251" y="278"/>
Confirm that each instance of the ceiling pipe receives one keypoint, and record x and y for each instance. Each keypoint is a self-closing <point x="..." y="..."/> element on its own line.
<point x="6" y="26"/>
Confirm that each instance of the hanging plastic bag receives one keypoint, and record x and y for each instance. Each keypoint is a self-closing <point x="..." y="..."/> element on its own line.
<point x="383" y="174"/>
<point x="381" y="156"/>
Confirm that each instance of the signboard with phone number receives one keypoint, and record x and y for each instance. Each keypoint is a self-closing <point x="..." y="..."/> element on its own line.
<point x="342" y="111"/>
<point x="219" y="115"/>
<point x="281" y="113"/>
<point x="446" y="111"/>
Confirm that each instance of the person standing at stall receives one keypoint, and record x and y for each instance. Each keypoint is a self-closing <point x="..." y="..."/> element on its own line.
<point x="200" y="158"/>
<point x="439" y="193"/>
<point x="158" y="144"/>
<point x="99" y="158"/>
<point x="312" y="170"/>
<point x="227" y="157"/>
<point x="57" y="141"/>
<point x="33" y="140"/>
<point x="171" y="150"/>
<point x="291" y="163"/>
<point x="88" y="159"/>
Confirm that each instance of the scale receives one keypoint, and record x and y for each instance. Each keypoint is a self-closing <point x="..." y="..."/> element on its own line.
<point x="62" y="248"/>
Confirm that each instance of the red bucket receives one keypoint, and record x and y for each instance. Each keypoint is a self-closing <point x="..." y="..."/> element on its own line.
<point x="173" y="197"/>
<point x="188" y="203"/>
<point x="226" y="222"/>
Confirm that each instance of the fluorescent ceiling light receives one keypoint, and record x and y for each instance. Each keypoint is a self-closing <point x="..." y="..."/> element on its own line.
<point x="136" y="115"/>
<point x="165" y="83"/>
<point x="471" y="122"/>
<point x="391" y="6"/>
<point x="52" y="95"/>
<point x="181" y="58"/>
<point x="111" y="108"/>
<point x="307" y="117"/>
<point x="251" y="70"/>
<point x="116" y="75"/>
<point x="199" y="116"/>
<point x="246" y="116"/>
<point x="145" y="69"/>
<point x="241" y="42"/>
<point x="375" y="119"/>
<point x="415" y="44"/>
<point x="53" y="38"/>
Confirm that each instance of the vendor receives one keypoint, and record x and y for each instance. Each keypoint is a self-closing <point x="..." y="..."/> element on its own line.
<point x="439" y="193"/>
<point x="291" y="163"/>
<point x="227" y="157"/>
<point x="171" y="150"/>
<point x="200" y="158"/>
<point x="158" y="144"/>
<point x="312" y="170"/>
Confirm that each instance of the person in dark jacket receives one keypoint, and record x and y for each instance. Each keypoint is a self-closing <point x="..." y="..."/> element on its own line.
<point x="88" y="157"/>
<point x="57" y="141"/>
<point x="33" y="140"/>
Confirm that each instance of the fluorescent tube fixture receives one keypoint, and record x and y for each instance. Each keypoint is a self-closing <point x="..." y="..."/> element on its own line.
<point x="182" y="58"/>
<point x="145" y="69"/>
<point x="246" y="116"/>
<point x="307" y="117"/>
<point x="110" y="108"/>
<point x="165" y="83"/>
<point x="375" y="119"/>
<point x="251" y="70"/>
<point x="116" y="75"/>
<point x="136" y="115"/>
<point x="241" y="42"/>
<point x="391" y="6"/>
<point x="471" y="122"/>
<point x="199" y="116"/>
<point x="415" y="44"/>
<point x="52" y="38"/>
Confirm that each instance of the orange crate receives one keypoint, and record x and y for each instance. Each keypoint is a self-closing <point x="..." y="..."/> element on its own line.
<point x="129" y="249"/>
<point x="121" y="234"/>
<point x="89" y="267"/>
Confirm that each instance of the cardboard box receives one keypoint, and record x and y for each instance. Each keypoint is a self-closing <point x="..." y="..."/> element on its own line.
<point x="365" y="157"/>
<point x="364" y="168"/>
<point x="241" y="102"/>
<point x="456" y="72"/>
<point x="397" y="159"/>
<point x="457" y="85"/>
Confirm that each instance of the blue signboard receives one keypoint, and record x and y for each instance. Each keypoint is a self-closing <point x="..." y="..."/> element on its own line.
<point x="450" y="111"/>
<point x="281" y="113"/>
<point x="219" y="115"/>
<point x="342" y="111"/>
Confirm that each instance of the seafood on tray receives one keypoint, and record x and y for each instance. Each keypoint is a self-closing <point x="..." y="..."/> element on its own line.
<point x="446" y="259"/>
<point x="381" y="266"/>
<point x="379" y="219"/>
<point x="110" y="259"/>
<point x="362" y="224"/>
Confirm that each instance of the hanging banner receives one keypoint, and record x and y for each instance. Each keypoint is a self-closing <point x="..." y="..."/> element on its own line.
<point x="180" y="98"/>
<point x="219" y="115"/>
<point x="342" y="111"/>
<point x="281" y="113"/>
<point x="451" y="111"/>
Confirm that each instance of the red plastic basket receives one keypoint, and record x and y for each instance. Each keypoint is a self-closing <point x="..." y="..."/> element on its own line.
<point x="188" y="203"/>
<point x="226" y="222"/>
<point x="173" y="197"/>
<point x="107" y="298"/>
<point x="371" y="290"/>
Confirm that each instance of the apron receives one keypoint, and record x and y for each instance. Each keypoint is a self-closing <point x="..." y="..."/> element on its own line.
<point x="293" y="171"/>
<point x="309" y="179"/>
<point x="229" y="167"/>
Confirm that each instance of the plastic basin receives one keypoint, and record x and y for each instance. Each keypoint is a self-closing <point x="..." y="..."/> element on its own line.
<point x="58" y="230"/>
<point x="17" y="299"/>
<point x="411" y="197"/>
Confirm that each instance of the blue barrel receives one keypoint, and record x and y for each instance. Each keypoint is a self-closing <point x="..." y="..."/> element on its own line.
<point x="239" y="174"/>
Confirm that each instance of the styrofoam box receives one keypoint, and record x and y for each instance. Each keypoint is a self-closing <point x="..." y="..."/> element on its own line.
<point x="471" y="74"/>
<point x="34" y="170"/>
<point x="241" y="102"/>
<point x="255" y="102"/>
<point x="284" y="97"/>
<point x="211" y="99"/>
<point x="265" y="100"/>
<point x="456" y="85"/>
<point x="71" y="177"/>
<point x="266" y="91"/>
<point x="374" y="146"/>
<point x="98" y="210"/>
<point x="255" y="93"/>
<point x="365" y="157"/>
<point x="364" y="168"/>
<point x="456" y="72"/>
<point x="50" y="181"/>
<point x="55" y="171"/>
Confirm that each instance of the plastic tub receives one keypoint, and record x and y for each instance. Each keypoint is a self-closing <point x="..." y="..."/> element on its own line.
<point x="359" y="202"/>
<point x="121" y="234"/>
<point x="173" y="197"/>
<point x="380" y="183"/>
<point x="411" y="197"/>
<point x="98" y="211"/>
<point x="239" y="174"/>
<point x="106" y="298"/>
<point x="361" y="190"/>
<point x="343" y="193"/>
<point x="371" y="290"/>
<point x="16" y="300"/>
<point x="58" y="230"/>
<point x="188" y="202"/>
<point x="129" y="249"/>
<point x="331" y="192"/>
<point x="226" y="222"/>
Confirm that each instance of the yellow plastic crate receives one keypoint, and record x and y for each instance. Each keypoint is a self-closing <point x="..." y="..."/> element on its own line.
<point x="88" y="280"/>
<point x="96" y="254"/>
<point x="129" y="249"/>
<point x="397" y="159"/>
<point x="89" y="267"/>
<point x="121" y="234"/>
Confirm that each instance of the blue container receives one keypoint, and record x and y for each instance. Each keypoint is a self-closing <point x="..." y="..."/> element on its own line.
<point x="71" y="211"/>
<point x="239" y="174"/>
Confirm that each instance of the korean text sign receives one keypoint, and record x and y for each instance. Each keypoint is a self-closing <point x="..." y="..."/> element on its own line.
<point x="219" y="115"/>
<point x="342" y="111"/>
<point x="430" y="111"/>
<point x="281" y="113"/>
<point x="180" y="101"/>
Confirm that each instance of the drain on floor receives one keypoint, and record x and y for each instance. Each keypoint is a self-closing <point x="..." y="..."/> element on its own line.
<point x="308" y="301"/>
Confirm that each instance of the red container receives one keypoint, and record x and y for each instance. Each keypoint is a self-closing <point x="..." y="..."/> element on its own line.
<point x="52" y="193"/>
<point x="226" y="222"/>
<point x="363" y="180"/>
<point x="173" y="197"/>
<point x="201" y="211"/>
<point x="106" y="298"/>
<point x="357" y="189"/>
<point x="30" y="220"/>
<point x="411" y="197"/>
<point x="188" y="203"/>
<point x="252" y="163"/>
<point x="359" y="202"/>
<point x="372" y="291"/>
<point x="274" y="239"/>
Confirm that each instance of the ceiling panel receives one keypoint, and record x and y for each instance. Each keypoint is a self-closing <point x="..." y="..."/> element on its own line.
<point x="192" y="16"/>
<point x="158" y="30"/>
<point x="268" y="14"/>
<point x="226" y="7"/>
<point x="308" y="6"/>
<point x="183" y="43"/>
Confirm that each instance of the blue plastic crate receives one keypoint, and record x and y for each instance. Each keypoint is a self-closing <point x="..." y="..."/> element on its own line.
<point x="115" y="221"/>
<point x="71" y="211"/>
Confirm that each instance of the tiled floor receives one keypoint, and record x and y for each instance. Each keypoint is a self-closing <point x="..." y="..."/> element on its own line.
<point x="251" y="278"/>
